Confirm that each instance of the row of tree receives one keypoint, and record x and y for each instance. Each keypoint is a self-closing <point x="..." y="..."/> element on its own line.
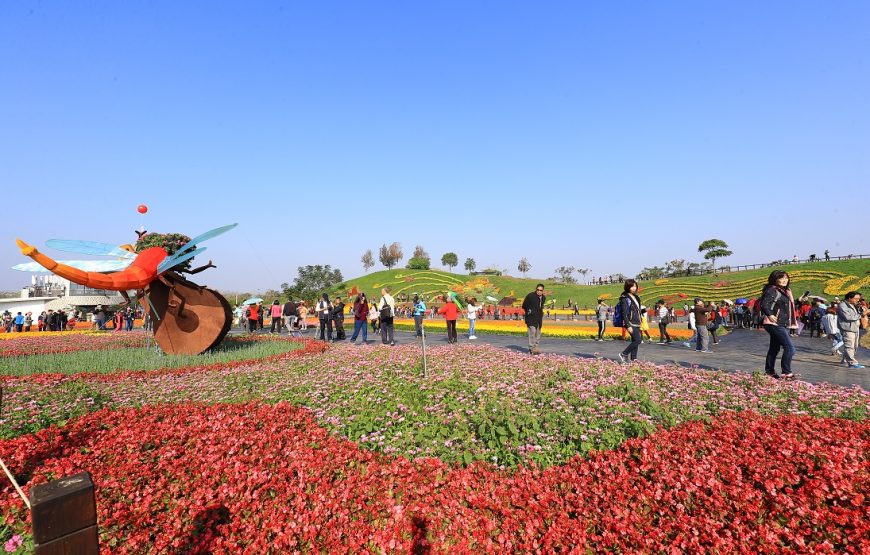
<point x="713" y="249"/>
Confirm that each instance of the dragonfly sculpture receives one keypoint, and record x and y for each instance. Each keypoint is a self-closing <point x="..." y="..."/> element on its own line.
<point x="188" y="318"/>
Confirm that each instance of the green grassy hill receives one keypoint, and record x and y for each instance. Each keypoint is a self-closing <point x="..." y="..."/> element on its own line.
<point x="821" y="278"/>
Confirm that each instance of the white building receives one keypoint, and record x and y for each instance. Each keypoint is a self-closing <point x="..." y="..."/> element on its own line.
<point x="48" y="291"/>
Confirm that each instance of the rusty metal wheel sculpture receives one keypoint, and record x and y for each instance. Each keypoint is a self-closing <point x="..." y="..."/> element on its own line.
<point x="190" y="319"/>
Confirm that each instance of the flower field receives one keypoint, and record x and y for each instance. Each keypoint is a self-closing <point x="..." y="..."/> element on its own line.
<point x="353" y="450"/>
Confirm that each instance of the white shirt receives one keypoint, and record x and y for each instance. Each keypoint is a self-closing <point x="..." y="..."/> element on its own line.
<point x="472" y="311"/>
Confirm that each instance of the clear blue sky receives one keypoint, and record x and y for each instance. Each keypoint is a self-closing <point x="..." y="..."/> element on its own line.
<point x="609" y="135"/>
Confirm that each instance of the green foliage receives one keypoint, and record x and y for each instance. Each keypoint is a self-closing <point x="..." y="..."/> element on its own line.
<point x="390" y="256"/>
<point x="170" y="242"/>
<point x="312" y="281"/>
<point x="104" y="362"/>
<point x="417" y="263"/>
<point x="450" y="260"/>
<point x="716" y="248"/>
<point x="524" y="266"/>
<point x="470" y="264"/>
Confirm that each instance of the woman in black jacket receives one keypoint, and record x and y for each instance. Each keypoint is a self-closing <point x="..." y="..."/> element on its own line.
<point x="777" y="309"/>
<point x="630" y="305"/>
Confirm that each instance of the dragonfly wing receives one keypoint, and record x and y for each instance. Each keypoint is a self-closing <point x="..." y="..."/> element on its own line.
<point x="89" y="247"/>
<point x="175" y="261"/>
<point x="86" y="265"/>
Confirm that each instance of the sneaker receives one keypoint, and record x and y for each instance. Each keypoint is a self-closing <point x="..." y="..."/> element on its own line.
<point x="472" y="337"/>
<point x="857" y="366"/>
<point x="707" y="351"/>
<point x="622" y="358"/>
<point x="687" y="345"/>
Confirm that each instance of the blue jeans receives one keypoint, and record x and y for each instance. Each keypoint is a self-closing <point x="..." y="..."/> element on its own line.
<point x="471" y="326"/>
<point x="779" y="338"/>
<point x="357" y="326"/>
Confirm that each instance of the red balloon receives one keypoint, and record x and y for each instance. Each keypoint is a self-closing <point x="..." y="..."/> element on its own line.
<point x="142" y="208"/>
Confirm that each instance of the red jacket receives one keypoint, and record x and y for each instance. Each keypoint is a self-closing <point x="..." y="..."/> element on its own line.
<point x="449" y="310"/>
<point x="361" y="311"/>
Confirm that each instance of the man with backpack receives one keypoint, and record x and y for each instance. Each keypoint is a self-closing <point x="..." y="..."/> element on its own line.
<point x="387" y="311"/>
<point x="533" y="307"/>
<point x="814" y="319"/>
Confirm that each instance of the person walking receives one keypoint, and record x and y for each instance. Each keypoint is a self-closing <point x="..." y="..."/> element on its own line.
<point x="19" y="322"/>
<point x="387" y="312"/>
<point x="338" y="318"/>
<point x="302" y="310"/>
<point x="252" y="313"/>
<point x="601" y="312"/>
<point x="778" y="317"/>
<point x="419" y="311"/>
<point x="324" y="316"/>
<point x="288" y="312"/>
<point x="644" y="325"/>
<point x="277" y="317"/>
<point x="829" y="324"/>
<point x="664" y="320"/>
<point x="849" y="316"/>
<point x="28" y="320"/>
<point x="360" y="318"/>
<point x="472" y="309"/>
<point x="451" y="313"/>
<point x="629" y="303"/>
<point x="533" y="307"/>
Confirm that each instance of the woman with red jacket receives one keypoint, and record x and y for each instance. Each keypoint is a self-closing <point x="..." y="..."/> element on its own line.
<point x="450" y="312"/>
<point x="360" y="318"/>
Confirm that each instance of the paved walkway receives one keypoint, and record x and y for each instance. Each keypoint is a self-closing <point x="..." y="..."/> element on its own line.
<point x="739" y="351"/>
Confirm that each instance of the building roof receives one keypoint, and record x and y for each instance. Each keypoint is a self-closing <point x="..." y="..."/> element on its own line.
<point x="84" y="300"/>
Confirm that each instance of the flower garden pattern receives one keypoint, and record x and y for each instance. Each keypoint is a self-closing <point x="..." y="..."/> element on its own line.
<point x="352" y="450"/>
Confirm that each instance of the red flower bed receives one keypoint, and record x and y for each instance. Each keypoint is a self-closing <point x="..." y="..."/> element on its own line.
<point x="53" y="343"/>
<point x="254" y="478"/>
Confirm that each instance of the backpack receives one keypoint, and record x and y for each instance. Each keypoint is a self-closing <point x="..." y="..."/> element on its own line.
<point x="815" y="315"/>
<point x="386" y="312"/>
<point x="617" y="314"/>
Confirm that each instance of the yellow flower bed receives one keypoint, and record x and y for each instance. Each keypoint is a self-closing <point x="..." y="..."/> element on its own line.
<point x="17" y="335"/>
<point x="518" y="327"/>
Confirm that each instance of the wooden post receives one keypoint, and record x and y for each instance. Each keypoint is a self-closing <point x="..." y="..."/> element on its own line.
<point x="65" y="516"/>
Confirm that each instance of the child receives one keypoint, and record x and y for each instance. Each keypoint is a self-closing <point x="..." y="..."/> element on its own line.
<point x="473" y="309"/>
<point x="644" y="325"/>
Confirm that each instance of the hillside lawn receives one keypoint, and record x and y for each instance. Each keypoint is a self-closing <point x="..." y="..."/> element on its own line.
<point x="587" y="295"/>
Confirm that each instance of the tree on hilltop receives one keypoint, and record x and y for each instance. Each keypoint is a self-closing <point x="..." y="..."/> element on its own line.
<point x="368" y="260"/>
<point x="524" y="266"/>
<point x="450" y="260"/>
<point x="716" y="248"/>
<point x="390" y="256"/>
<point x="566" y="274"/>
<point x="470" y="264"/>
<point x="420" y="252"/>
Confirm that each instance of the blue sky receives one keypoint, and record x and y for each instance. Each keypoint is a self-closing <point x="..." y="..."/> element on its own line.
<point x="609" y="136"/>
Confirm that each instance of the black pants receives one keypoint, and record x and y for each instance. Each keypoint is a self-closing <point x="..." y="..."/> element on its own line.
<point x="663" y="333"/>
<point x="602" y="324"/>
<point x="339" y="330"/>
<point x="451" y="331"/>
<point x="387" y="331"/>
<point x="636" y="340"/>
<point x="325" y="325"/>
<point x="252" y="325"/>
<point x="276" y="323"/>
